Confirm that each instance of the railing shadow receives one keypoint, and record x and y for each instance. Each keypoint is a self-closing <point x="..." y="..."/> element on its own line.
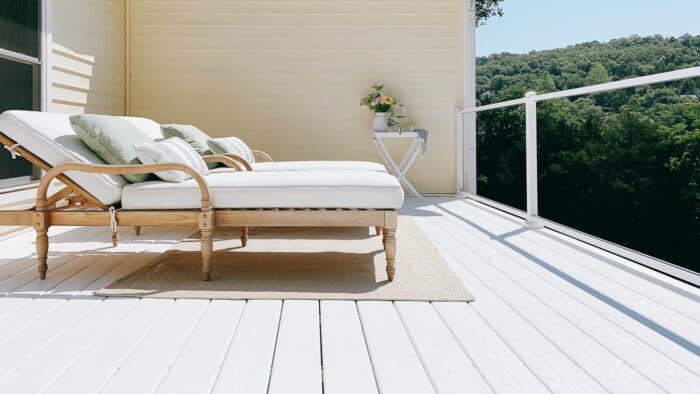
<point x="624" y="309"/>
<point x="603" y="256"/>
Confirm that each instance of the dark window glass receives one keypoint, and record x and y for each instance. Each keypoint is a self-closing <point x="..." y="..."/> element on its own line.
<point x="19" y="26"/>
<point x="16" y="92"/>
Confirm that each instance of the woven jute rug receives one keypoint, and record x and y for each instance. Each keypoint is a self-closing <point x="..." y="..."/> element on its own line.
<point x="299" y="263"/>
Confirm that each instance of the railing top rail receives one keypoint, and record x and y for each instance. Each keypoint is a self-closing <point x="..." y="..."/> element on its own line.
<point x="676" y="75"/>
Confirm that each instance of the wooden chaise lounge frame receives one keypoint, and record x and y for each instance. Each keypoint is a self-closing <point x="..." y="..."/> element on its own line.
<point x="74" y="206"/>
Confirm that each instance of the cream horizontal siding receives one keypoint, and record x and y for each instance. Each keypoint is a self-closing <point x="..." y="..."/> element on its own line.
<point x="88" y="57"/>
<point x="287" y="76"/>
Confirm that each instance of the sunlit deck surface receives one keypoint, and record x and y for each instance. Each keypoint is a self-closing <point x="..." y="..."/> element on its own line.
<point x="551" y="315"/>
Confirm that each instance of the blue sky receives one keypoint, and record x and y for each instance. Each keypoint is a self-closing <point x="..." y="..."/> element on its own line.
<point x="548" y="24"/>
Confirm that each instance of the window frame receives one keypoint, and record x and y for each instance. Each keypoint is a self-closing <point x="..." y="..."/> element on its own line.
<point x="41" y="66"/>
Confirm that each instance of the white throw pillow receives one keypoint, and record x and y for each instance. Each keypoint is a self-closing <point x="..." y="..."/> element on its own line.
<point x="233" y="145"/>
<point x="171" y="150"/>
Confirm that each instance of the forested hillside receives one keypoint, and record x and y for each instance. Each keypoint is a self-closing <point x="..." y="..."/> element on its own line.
<point x="622" y="165"/>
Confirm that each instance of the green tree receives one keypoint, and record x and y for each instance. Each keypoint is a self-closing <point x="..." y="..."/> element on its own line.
<point x="486" y="9"/>
<point x="597" y="74"/>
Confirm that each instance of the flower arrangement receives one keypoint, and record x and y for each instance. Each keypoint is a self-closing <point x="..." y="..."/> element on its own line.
<point x="378" y="100"/>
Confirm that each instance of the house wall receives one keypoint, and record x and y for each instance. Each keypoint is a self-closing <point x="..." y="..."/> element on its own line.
<point x="88" y="63"/>
<point x="287" y="76"/>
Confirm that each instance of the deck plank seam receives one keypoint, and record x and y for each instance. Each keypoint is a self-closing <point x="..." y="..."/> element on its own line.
<point x="274" y="349"/>
<point x="364" y="339"/>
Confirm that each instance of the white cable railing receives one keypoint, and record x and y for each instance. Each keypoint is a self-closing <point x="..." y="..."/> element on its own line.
<point x="530" y="100"/>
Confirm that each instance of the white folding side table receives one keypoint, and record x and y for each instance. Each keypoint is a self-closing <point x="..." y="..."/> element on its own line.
<point x="414" y="151"/>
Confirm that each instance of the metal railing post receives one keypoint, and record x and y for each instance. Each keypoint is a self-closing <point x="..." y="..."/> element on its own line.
<point x="532" y="220"/>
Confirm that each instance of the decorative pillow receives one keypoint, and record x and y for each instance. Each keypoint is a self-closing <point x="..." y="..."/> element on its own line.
<point x="190" y="134"/>
<point x="171" y="150"/>
<point x="232" y="145"/>
<point x="112" y="139"/>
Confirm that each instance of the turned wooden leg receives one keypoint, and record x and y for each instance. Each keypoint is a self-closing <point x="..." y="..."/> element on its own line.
<point x="115" y="239"/>
<point x="378" y="229"/>
<point x="42" y="251"/>
<point x="207" y="247"/>
<point x="244" y="236"/>
<point x="41" y="225"/>
<point x="137" y="229"/>
<point x="390" y="250"/>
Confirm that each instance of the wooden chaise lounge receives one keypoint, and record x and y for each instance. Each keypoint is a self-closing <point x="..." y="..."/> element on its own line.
<point x="93" y="193"/>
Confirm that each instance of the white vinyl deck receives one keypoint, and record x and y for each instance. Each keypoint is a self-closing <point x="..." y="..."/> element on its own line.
<point x="551" y="315"/>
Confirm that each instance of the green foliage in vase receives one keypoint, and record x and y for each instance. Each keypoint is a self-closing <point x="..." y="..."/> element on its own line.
<point x="623" y="165"/>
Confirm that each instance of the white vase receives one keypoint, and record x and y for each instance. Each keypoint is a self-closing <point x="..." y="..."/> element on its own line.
<point x="381" y="121"/>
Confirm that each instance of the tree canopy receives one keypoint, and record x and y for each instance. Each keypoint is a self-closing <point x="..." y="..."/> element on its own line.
<point x="486" y="9"/>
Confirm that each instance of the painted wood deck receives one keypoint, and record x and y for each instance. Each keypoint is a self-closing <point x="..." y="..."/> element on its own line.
<point x="552" y="315"/>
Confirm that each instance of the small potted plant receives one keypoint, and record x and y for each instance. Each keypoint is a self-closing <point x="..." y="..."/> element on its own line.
<point x="379" y="101"/>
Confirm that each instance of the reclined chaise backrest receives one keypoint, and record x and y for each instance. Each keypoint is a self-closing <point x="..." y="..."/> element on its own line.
<point x="50" y="137"/>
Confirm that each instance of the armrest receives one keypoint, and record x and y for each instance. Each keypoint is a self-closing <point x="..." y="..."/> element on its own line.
<point x="261" y="154"/>
<point x="229" y="162"/>
<point x="41" y="199"/>
<point x="230" y="159"/>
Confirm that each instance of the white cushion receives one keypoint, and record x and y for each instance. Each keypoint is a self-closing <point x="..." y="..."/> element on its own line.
<point x="171" y="150"/>
<point x="50" y="137"/>
<point x="302" y="189"/>
<point x="233" y="145"/>
<point x="330" y="165"/>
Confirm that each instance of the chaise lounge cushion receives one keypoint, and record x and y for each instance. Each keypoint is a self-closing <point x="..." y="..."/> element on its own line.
<point x="237" y="146"/>
<point x="50" y="137"/>
<point x="308" y="189"/>
<point x="319" y="165"/>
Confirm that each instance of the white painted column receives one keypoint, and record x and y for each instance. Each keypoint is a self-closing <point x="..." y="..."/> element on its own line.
<point x="470" y="98"/>
<point x="45" y="54"/>
<point x="532" y="219"/>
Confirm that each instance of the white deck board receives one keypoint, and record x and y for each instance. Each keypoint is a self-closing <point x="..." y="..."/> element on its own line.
<point x="297" y="363"/>
<point x="149" y="362"/>
<point x="98" y="363"/>
<point x="197" y="365"/>
<point x="397" y="367"/>
<point x="347" y="368"/>
<point x="246" y="368"/>
<point x="35" y="373"/>
<point x="554" y="320"/>
<point x="450" y="369"/>
<point x="656" y="356"/>
<point x="551" y="315"/>
<point x="497" y="362"/>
